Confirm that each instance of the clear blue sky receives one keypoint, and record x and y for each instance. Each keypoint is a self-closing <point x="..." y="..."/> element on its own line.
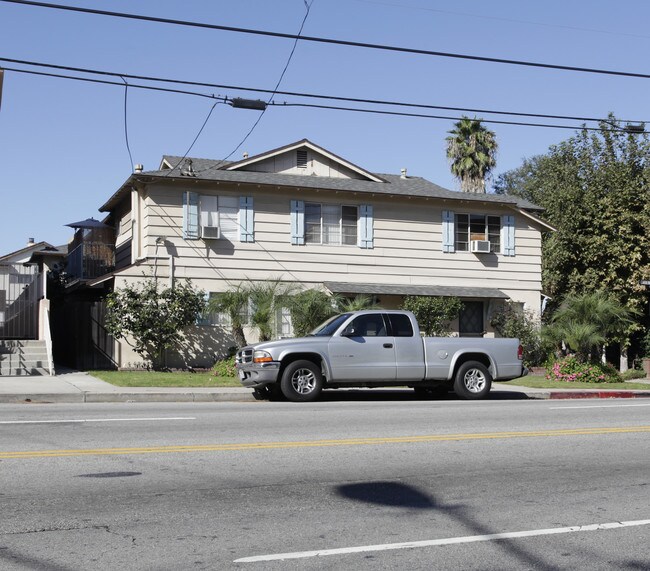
<point x="62" y="142"/>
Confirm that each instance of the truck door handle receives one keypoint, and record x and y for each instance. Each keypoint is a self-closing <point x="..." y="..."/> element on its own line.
<point x="388" y="345"/>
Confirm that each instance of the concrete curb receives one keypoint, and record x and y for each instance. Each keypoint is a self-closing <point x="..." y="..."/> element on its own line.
<point x="239" y="395"/>
<point x="125" y="397"/>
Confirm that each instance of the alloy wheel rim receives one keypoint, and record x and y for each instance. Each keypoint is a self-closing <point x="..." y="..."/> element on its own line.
<point x="303" y="381"/>
<point x="475" y="381"/>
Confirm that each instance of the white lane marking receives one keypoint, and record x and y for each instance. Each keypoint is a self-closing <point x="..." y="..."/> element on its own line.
<point x="437" y="542"/>
<point x="598" y="406"/>
<point x="62" y="421"/>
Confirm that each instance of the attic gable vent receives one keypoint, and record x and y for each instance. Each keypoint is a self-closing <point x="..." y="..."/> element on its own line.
<point x="301" y="158"/>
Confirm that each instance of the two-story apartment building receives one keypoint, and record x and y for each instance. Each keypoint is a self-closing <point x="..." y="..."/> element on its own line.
<point x="304" y="215"/>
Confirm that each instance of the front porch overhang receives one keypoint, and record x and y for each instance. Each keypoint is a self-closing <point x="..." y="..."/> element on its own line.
<point x="430" y="290"/>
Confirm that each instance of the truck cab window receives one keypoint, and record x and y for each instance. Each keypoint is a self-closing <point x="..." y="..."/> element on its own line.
<point x="369" y="325"/>
<point x="400" y="324"/>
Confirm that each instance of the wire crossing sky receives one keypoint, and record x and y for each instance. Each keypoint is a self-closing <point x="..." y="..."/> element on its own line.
<point x="365" y="81"/>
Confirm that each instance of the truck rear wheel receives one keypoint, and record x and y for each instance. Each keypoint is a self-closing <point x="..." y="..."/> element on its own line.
<point x="473" y="381"/>
<point x="302" y="381"/>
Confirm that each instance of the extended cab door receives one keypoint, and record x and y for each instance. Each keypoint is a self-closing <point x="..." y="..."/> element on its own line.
<point x="409" y="348"/>
<point x="364" y="352"/>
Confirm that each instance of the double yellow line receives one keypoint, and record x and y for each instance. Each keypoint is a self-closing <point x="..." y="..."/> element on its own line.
<point x="317" y="443"/>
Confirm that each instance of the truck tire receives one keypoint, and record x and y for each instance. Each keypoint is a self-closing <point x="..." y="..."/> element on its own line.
<point x="473" y="381"/>
<point x="302" y="381"/>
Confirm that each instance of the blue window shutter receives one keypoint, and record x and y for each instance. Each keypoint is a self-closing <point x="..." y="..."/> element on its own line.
<point x="366" y="237"/>
<point x="246" y="219"/>
<point x="191" y="216"/>
<point x="297" y="222"/>
<point x="448" y="231"/>
<point x="508" y="235"/>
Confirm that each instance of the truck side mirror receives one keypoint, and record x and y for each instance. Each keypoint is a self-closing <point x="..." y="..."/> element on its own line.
<point x="349" y="331"/>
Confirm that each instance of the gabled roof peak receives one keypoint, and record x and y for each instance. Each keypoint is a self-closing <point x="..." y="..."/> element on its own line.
<point x="303" y="144"/>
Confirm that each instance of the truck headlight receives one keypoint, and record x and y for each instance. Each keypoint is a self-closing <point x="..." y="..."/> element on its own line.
<point x="262" y="357"/>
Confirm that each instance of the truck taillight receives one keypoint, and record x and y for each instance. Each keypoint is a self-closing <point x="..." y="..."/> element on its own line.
<point x="520" y="353"/>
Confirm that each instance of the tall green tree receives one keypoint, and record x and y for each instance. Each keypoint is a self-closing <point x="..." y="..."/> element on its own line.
<point x="471" y="150"/>
<point x="151" y="319"/>
<point x="595" y="190"/>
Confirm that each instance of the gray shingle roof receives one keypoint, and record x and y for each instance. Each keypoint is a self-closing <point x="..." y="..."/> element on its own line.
<point x="206" y="169"/>
<point x="394" y="185"/>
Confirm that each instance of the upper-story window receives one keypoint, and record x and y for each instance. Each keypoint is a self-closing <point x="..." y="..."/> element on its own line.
<point x="471" y="227"/>
<point x="478" y="233"/>
<point x="220" y="213"/>
<point x="331" y="224"/>
<point x="211" y="217"/>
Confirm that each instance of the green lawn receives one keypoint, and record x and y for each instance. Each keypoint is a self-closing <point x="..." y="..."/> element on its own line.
<point x="156" y="379"/>
<point x="540" y="382"/>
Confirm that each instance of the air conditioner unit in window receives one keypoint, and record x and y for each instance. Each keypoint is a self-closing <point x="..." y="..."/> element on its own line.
<point x="210" y="232"/>
<point x="479" y="246"/>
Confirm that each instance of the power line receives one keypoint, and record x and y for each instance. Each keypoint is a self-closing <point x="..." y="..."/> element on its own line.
<point x="332" y="41"/>
<point x="501" y="19"/>
<point x="226" y="99"/>
<point x="278" y="92"/>
<point x="105" y="82"/>
<point x="426" y="116"/>
<point x="286" y="66"/>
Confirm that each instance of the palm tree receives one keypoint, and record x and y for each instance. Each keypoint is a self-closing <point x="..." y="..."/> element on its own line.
<point x="266" y="297"/>
<point x="585" y="322"/>
<point x="471" y="150"/>
<point x="360" y="301"/>
<point x="309" y="308"/>
<point x="233" y="303"/>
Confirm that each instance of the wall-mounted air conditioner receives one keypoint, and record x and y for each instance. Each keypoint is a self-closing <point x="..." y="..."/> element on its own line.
<point x="479" y="246"/>
<point x="210" y="232"/>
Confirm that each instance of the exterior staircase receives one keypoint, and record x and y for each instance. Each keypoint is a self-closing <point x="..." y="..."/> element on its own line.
<point x="18" y="358"/>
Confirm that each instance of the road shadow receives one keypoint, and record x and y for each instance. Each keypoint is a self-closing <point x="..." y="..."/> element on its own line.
<point x="400" y="495"/>
<point x="405" y="394"/>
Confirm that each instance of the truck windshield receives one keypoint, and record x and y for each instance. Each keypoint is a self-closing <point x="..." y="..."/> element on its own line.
<point x="330" y="326"/>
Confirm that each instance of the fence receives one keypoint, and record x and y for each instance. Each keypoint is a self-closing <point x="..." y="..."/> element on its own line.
<point x="20" y="291"/>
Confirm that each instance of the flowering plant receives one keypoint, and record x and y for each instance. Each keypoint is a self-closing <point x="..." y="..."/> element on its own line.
<point x="570" y="370"/>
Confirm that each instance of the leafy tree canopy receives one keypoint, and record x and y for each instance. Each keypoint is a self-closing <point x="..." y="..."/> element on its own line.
<point x="433" y="314"/>
<point x="152" y="319"/>
<point x="595" y="190"/>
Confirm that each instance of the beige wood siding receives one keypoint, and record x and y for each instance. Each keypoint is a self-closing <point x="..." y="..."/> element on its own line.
<point x="407" y="239"/>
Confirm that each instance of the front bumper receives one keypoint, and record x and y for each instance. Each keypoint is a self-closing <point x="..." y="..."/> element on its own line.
<point x="258" y="374"/>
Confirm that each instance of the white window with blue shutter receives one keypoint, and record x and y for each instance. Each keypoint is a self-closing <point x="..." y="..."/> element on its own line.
<point x="246" y="219"/>
<point x="366" y="227"/>
<point x="297" y="222"/>
<point x="508" y="235"/>
<point x="448" y="231"/>
<point x="191" y="216"/>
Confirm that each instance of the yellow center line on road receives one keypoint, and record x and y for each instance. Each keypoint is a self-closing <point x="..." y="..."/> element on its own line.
<point x="319" y="443"/>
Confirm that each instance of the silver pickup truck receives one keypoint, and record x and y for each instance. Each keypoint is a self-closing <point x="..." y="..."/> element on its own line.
<point x="377" y="348"/>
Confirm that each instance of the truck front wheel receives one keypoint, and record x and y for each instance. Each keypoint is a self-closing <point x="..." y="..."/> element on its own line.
<point x="302" y="381"/>
<point x="473" y="381"/>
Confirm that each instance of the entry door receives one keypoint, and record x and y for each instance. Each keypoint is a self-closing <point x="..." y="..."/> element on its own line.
<point x="471" y="319"/>
<point x="366" y="353"/>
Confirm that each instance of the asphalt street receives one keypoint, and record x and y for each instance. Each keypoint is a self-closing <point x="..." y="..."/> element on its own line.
<point x="340" y="484"/>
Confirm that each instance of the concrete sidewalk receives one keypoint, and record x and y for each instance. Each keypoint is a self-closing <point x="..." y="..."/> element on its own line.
<point x="73" y="387"/>
<point x="76" y="387"/>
